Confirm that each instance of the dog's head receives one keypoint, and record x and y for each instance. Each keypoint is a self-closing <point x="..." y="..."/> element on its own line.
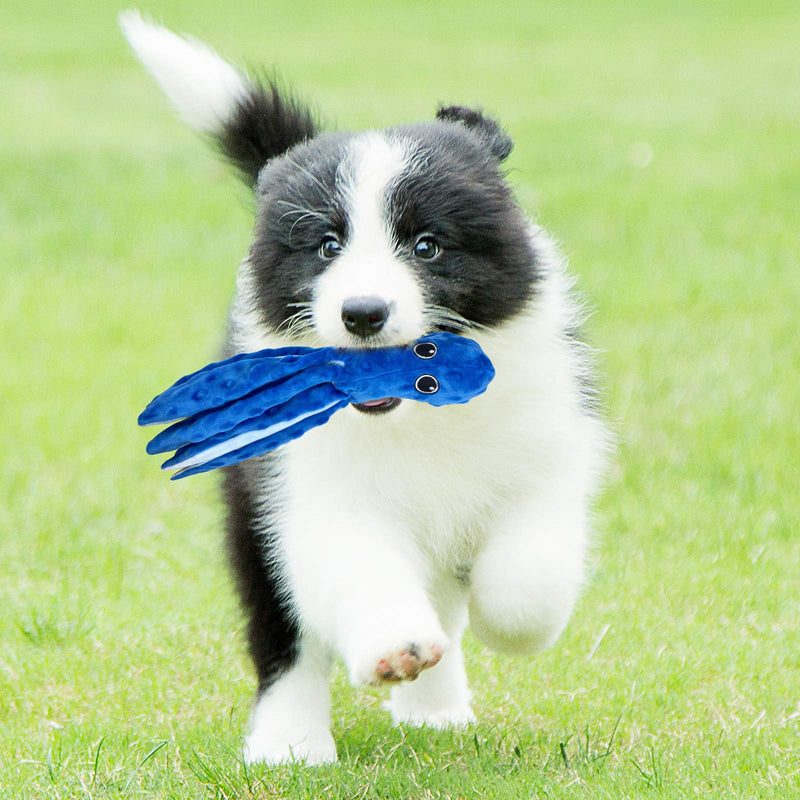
<point x="362" y="239"/>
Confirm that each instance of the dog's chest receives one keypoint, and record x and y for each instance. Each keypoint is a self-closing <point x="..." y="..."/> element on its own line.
<point x="436" y="474"/>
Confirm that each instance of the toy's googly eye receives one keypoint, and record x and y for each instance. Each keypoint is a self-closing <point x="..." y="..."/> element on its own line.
<point x="425" y="350"/>
<point x="426" y="384"/>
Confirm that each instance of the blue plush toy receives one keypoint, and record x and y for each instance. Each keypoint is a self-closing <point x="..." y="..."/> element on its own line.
<point x="252" y="403"/>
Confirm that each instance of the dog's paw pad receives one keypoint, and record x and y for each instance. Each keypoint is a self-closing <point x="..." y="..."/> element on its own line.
<point x="406" y="663"/>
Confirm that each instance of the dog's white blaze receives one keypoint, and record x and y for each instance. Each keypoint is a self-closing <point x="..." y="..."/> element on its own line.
<point x="375" y="163"/>
<point x="203" y="88"/>
<point x="369" y="265"/>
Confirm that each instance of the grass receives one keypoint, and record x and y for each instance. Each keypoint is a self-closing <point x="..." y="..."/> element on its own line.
<point x="658" y="141"/>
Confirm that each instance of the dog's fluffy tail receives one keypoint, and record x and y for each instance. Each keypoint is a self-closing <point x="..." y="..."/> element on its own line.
<point x="251" y="121"/>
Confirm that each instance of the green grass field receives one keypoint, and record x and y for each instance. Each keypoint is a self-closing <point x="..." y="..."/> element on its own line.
<point x="660" y="142"/>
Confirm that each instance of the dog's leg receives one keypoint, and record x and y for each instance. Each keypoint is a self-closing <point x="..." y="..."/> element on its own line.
<point x="360" y="585"/>
<point x="441" y="696"/>
<point x="291" y="719"/>
<point x="525" y="582"/>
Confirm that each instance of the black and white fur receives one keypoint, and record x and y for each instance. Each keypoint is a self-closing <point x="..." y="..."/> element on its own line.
<point x="379" y="536"/>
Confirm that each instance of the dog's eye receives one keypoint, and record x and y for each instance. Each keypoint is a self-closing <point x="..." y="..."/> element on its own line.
<point x="330" y="247"/>
<point x="426" y="248"/>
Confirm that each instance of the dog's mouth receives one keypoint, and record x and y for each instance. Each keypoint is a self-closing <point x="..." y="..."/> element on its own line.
<point x="382" y="406"/>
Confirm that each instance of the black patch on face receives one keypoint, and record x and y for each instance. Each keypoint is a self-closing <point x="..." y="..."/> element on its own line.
<point x="455" y="192"/>
<point x="299" y="203"/>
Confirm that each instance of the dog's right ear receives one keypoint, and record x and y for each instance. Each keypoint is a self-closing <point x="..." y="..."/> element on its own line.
<point x="251" y="121"/>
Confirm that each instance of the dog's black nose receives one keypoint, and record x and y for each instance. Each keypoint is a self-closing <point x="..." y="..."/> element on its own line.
<point x="364" y="316"/>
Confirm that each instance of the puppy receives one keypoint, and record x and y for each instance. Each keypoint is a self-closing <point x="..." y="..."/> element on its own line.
<point x="378" y="536"/>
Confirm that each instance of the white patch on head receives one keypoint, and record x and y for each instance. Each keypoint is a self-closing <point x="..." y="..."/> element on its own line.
<point x="369" y="265"/>
<point x="203" y="88"/>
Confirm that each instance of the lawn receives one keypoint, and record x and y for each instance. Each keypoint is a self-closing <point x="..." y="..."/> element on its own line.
<point x="660" y="143"/>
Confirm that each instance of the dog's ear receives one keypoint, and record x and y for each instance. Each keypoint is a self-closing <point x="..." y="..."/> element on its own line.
<point x="251" y="121"/>
<point x="499" y="142"/>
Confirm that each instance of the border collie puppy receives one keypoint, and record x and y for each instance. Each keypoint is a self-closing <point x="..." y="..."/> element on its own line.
<point x="379" y="536"/>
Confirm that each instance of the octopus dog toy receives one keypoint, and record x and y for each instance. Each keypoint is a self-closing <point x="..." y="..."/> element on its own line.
<point x="252" y="403"/>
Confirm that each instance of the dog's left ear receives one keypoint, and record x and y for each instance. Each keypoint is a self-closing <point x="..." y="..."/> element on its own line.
<point x="499" y="142"/>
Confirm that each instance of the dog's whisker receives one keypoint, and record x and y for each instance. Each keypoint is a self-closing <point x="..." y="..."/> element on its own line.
<point x="302" y="214"/>
<point x="316" y="213"/>
<point x="442" y="315"/>
<point x="307" y="172"/>
<point x="300" y="322"/>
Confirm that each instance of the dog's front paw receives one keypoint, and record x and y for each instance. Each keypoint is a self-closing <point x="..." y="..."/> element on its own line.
<point x="439" y="718"/>
<point x="270" y="747"/>
<point x="402" y="663"/>
<point x="266" y="745"/>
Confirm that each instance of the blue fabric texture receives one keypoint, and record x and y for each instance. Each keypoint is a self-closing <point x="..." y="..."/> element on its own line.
<point x="255" y="402"/>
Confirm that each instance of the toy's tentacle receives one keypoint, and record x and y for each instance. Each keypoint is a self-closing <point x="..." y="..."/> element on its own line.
<point x="224" y="381"/>
<point x="261" y="446"/>
<point x="212" y="422"/>
<point x="265" y="432"/>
